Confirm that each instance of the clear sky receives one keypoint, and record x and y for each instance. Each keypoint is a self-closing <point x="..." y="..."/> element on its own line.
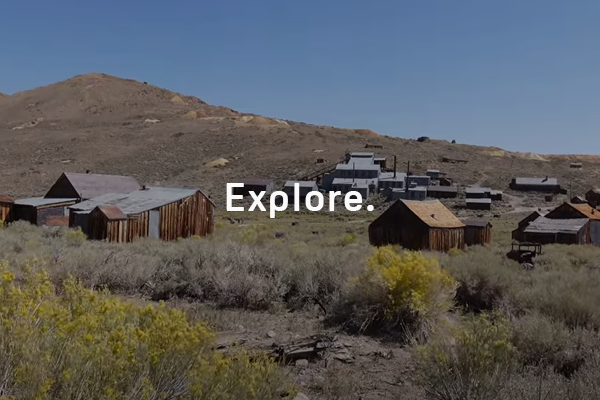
<point x="519" y="74"/>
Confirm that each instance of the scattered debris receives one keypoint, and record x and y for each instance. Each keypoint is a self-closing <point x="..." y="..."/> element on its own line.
<point x="279" y="235"/>
<point x="309" y="348"/>
<point x="271" y="334"/>
<point x="151" y="121"/>
<point x="301" y="396"/>
<point x="303" y="363"/>
<point x="219" y="162"/>
<point x="318" y="151"/>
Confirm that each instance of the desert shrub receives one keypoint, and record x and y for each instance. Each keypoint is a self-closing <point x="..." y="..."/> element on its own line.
<point x="348" y="238"/>
<point x="401" y="292"/>
<point x="474" y="363"/>
<point x="75" y="237"/>
<point x="85" y="344"/>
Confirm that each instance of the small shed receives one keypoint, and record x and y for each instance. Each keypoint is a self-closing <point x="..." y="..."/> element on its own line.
<point x="560" y="231"/>
<point x="37" y="210"/>
<point x="442" y="192"/>
<point x="576" y="165"/>
<point x="478" y="204"/>
<point x="418" y="225"/>
<point x="496" y="195"/>
<point x="255" y="185"/>
<point x="593" y="197"/>
<point x="476" y="192"/>
<point x="6" y="206"/>
<point x="579" y="200"/>
<point x="517" y="234"/>
<point x="87" y="186"/>
<point x="165" y="213"/>
<point x="478" y="232"/>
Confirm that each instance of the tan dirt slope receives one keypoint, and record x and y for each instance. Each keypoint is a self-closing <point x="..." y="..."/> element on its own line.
<point x="112" y="125"/>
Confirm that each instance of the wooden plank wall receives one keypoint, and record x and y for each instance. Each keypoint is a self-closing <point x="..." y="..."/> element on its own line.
<point x="476" y="235"/>
<point x="444" y="239"/>
<point x="5" y="211"/>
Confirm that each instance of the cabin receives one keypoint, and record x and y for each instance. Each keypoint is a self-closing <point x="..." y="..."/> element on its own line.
<point x="255" y="185"/>
<point x="442" y="192"/>
<point x="86" y="186"/>
<point x="477" y="233"/>
<point x="165" y="213"/>
<point x="566" y="224"/>
<point x="543" y="185"/>
<point x="6" y="206"/>
<point x="41" y="211"/>
<point x="593" y="197"/>
<point x="478" y="204"/>
<point x="418" y="225"/>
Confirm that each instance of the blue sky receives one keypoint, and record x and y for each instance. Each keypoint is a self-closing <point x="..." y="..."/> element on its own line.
<point x="519" y="74"/>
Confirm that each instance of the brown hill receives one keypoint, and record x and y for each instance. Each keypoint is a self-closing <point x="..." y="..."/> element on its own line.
<point x="120" y="126"/>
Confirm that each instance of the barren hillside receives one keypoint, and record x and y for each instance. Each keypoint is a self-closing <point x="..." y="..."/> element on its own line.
<point x="112" y="125"/>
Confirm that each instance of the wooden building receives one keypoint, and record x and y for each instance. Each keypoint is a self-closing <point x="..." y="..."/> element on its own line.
<point x="87" y="186"/>
<point x="593" y="197"/>
<point x="566" y="224"/>
<point x="496" y="195"/>
<point x="475" y="192"/>
<point x="254" y="185"/>
<point x="543" y="185"/>
<point x="442" y="192"/>
<point x="478" y="204"/>
<point x="578" y="200"/>
<point x="158" y="212"/>
<point x="6" y="206"/>
<point x="517" y="234"/>
<point x="478" y="233"/>
<point x="41" y="211"/>
<point x="418" y="225"/>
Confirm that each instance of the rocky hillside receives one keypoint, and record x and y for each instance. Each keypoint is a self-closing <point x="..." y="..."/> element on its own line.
<point x="113" y="125"/>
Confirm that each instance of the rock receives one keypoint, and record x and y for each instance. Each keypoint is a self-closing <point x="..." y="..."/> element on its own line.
<point x="271" y="334"/>
<point x="301" y="396"/>
<point x="302" y="363"/>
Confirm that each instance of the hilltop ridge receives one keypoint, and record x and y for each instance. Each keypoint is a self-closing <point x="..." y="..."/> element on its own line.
<point x="122" y="126"/>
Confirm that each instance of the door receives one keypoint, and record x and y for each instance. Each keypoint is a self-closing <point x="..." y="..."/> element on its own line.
<point x="154" y="224"/>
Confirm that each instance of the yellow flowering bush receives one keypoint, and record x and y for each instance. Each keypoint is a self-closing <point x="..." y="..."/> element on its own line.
<point x="83" y="344"/>
<point x="400" y="289"/>
<point x="473" y="362"/>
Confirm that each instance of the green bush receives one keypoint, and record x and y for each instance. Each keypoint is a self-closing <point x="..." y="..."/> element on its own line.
<point x="86" y="344"/>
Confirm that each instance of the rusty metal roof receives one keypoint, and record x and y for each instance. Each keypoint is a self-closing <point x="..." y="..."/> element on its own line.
<point x="112" y="213"/>
<point x="92" y="185"/>
<point x="138" y="201"/>
<point x="4" y="198"/>
<point x="586" y="210"/>
<point x="433" y="213"/>
<point x="547" y="225"/>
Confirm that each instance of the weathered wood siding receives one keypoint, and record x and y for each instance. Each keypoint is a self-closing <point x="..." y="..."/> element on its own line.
<point x="399" y="226"/>
<point x="62" y="189"/>
<point x="5" y="211"/>
<point x="478" y="235"/>
<point x="444" y="239"/>
<point x="191" y="216"/>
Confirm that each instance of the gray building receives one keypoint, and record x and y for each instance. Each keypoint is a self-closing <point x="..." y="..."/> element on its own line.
<point x="420" y="180"/>
<point x="544" y="185"/>
<point x="476" y="192"/>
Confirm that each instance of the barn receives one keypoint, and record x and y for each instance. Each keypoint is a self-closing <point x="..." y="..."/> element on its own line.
<point x="255" y="185"/>
<point x="477" y="233"/>
<point x="87" y="186"/>
<point x="41" y="211"/>
<point x="165" y="213"/>
<point x="6" y="205"/>
<point x="418" y="225"/>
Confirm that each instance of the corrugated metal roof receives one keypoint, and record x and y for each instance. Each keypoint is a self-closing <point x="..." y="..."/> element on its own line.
<point x="137" y="202"/>
<point x="301" y="183"/>
<point x="445" y="189"/>
<point x="112" y="213"/>
<point x="482" y="201"/>
<point x="547" y="225"/>
<point x="362" y="166"/>
<point x="477" y="189"/>
<point x="362" y="154"/>
<point x="255" y="181"/>
<point x="352" y="182"/>
<point x="586" y="210"/>
<point x="433" y="213"/>
<point x="92" y="185"/>
<point x="536" y="181"/>
<point x="433" y="170"/>
<point x="389" y="176"/>
<point x="41" y="201"/>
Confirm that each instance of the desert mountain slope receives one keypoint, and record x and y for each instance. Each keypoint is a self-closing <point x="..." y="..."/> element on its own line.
<point x="112" y="125"/>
